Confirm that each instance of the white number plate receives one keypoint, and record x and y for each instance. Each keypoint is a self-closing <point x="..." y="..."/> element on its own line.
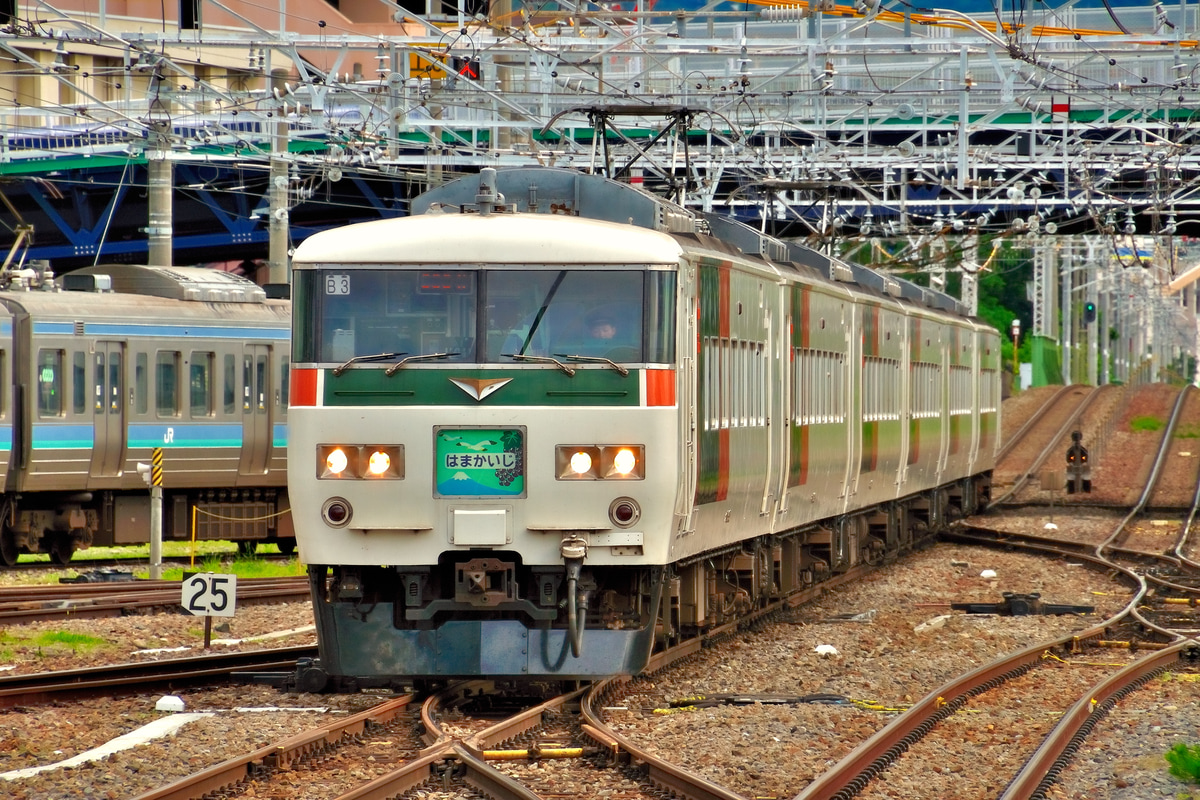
<point x="337" y="284"/>
<point x="207" y="594"/>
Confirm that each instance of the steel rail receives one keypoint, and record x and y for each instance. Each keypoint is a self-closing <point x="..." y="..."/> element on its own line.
<point x="232" y="772"/>
<point x="1060" y="746"/>
<point x="1053" y="442"/>
<point x="133" y="588"/>
<point x="89" y="681"/>
<point x="1034" y="419"/>
<point x="674" y="780"/>
<point x="850" y="775"/>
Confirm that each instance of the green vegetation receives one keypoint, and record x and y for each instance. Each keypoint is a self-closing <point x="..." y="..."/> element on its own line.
<point x="222" y="557"/>
<point x="1146" y="423"/>
<point x="170" y="550"/>
<point x="51" y="640"/>
<point x="1188" y="430"/>
<point x="242" y="567"/>
<point x="1184" y="761"/>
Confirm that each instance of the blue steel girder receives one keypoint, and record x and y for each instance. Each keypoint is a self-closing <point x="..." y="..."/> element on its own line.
<point x="84" y="240"/>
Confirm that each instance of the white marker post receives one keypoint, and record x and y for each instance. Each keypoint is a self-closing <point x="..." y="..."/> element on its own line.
<point x="208" y="595"/>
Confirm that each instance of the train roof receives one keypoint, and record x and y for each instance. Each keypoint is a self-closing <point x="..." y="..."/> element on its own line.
<point x="551" y="191"/>
<point x="442" y="237"/>
<point x="176" y="283"/>
<point x="133" y="310"/>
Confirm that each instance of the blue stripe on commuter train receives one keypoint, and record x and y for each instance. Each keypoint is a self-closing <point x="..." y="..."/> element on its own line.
<point x="167" y="331"/>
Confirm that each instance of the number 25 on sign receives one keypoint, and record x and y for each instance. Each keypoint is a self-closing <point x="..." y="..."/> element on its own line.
<point x="208" y="594"/>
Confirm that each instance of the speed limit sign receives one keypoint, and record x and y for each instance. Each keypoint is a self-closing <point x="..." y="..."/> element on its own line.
<point x="207" y="594"/>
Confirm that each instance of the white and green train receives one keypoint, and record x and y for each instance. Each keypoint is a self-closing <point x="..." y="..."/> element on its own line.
<point x="549" y="423"/>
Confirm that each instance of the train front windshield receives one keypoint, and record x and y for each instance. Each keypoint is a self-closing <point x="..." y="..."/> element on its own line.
<point x="484" y="316"/>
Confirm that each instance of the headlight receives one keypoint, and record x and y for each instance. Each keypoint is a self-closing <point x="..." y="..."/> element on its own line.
<point x="576" y="463"/>
<point x="599" y="462"/>
<point x="624" y="462"/>
<point x="383" y="462"/>
<point x="350" y="461"/>
<point x="378" y="463"/>
<point x="333" y="461"/>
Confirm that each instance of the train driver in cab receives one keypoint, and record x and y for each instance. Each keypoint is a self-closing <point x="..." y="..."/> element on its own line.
<point x="603" y="326"/>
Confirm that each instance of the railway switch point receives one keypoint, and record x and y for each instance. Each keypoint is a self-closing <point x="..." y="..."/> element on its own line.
<point x="1021" y="605"/>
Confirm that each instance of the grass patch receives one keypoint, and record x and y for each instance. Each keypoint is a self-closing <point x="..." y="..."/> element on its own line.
<point x="73" y="641"/>
<point x="1185" y="762"/>
<point x="49" y="640"/>
<point x="242" y="567"/>
<point x="1138" y="424"/>
<point x="170" y="551"/>
<point x="1188" y="431"/>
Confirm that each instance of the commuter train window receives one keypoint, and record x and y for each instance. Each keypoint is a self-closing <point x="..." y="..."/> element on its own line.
<point x="79" y="383"/>
<point x="114" y="382"/>
<point x="200" y="371"/>
<point x="141" y="383"/>
<point x="285" y="384"/>
<point x="50" y="383"/>
<point x="262" y="383"/>
<point x="230" y="387"/>
<point x="166" y="383"/>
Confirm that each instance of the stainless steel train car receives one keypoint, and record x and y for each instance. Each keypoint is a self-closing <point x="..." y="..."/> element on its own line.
<point x="125" y="360"/>
<point x="550" y="422"/>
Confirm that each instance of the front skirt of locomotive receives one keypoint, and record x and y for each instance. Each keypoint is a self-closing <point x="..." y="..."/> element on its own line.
<point x="361" y="648"/>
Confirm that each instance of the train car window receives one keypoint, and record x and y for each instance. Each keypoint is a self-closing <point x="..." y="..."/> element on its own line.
<point x="660" y="317"/>
<point x="114" y="382"/>
<point x="989" y="390"/>
<point x="247" y="383"/>
<point x="230" y="388"/>
<point x="141" y="383"/>
<point x="50" y="383"/>
<point x="589" y="313"/>
<point x="4" y="383"/>
<point x="262" y="383"/>
<point x="166" y="383"/>
<point x="409" y="312"/>
<point x="200" y="371"/>
<point x="285" y="385"/>
<point x="79" y="383"/>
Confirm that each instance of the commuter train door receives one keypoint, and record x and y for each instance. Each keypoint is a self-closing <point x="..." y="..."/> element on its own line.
<point x="108" y="410"/>
<point x="256" y="409"/>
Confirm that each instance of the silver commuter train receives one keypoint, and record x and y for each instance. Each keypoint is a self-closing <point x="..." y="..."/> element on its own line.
<point x="487" y="480"/>
<point x="126" y="360"/>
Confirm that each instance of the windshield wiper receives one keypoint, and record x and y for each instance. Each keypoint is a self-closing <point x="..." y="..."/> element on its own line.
<point x="596" y="360"/>
<point x="360" y="359"/>
<point x="541" y="360"/>
<point x="390" y="371"/>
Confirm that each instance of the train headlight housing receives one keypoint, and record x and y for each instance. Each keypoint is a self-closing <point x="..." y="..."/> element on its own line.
<point x="350" y="461"/>
<point x="574" y="462"/>
<point x="333" y="461"/>
<point x="624" y="462"/>
<point x="383" y="462"/>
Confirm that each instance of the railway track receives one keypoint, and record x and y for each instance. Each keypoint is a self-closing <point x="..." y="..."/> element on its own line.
<point x="24" y="604"/>
<point x="144" y="677"/>
<point x="1149" y="645"/>
<point x="1055" y="420"/>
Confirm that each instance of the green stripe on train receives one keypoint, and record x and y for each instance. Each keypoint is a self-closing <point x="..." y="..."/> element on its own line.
<point x="526" y="387"/>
